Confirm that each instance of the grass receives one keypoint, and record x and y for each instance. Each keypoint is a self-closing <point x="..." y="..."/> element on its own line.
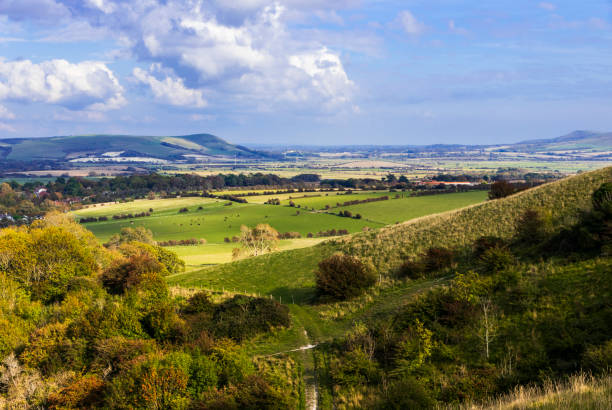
<point x="406" y="208"/>
<point x="580" y="392"/>
<point x="283" y="273"/>
<point x="562" y="200"/>
<point x="216" y="221"/>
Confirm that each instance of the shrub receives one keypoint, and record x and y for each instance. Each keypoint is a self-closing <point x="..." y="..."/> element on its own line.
<point x="125" y="274"/>
<point x="484" y="243"/>
<point x="501" y="189"/>
<point x="496" y="259"/>
<point x="183" y="210"/>
<point x="602" y="198"/>
<point x="243" y="317"/>
<point x="199" y="303"/>
<point x="342" y="277"/>
<point x="85" y="392"/>
<point x="406" y="393"/>
<point x="531" y="227"/>
<point x="412" y="269"/>
<point x="438" y="258"/>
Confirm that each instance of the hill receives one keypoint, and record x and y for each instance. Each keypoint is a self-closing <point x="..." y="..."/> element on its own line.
<point x="389" y="247"/>
<point x="574" y="141"/>
<point x="121" y="148"/>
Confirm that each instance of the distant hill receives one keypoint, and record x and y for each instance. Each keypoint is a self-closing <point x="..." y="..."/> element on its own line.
<point x="122" y="148"/>
<point x="575" y="141"/>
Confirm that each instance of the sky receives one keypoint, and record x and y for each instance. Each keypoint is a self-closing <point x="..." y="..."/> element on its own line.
<point x="307" y="71"/>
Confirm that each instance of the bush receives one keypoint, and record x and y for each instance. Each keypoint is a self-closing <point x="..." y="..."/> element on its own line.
<point x="125" y="274"/>
<point x="531" y="227"/>
<point x="85" y="392"/>
<point x="405" y="393"/>
<point x="602" y="198"/>
<point x="412" y="269"/>
<point x="484" y="243"/>
<point x="496" y="259"/>
<point x="342" y="277"/>
<point x="501" y="189"/>
<point x="438" y="258"/>
<point x="199" y="303"/>
<point x="243" y="317"/>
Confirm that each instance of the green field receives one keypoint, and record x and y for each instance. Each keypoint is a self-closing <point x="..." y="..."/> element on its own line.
<point x="291" y="273"/>
<point x="216" y="221"/>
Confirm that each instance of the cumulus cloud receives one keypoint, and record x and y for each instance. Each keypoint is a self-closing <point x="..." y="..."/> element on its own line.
<point x="5" y="114"/>
<point x="233" y="48"/>
<point x="410" y="24"/>
<point x="170" y="90"/>
<point x="88" y="84"/>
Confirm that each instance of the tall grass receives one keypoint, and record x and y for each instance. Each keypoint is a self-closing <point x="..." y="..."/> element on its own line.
<point x="579" y="392"/>
<point x="390" y="246"/>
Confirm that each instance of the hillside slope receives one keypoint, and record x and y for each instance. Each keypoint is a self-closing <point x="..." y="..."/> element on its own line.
<point x="89" y="148"/>
<point x="389" y="247"/>
<point x="577" y="140"/>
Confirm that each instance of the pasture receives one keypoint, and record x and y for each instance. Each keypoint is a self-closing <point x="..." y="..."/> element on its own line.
<point x="215" y="220"/>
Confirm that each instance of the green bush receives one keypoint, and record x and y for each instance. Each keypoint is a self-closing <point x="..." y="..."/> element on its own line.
<point x="496" y="259"/>
<point x="406" y="393"/>
<point x="343" y="277"/>
<point x="243" y="317"/>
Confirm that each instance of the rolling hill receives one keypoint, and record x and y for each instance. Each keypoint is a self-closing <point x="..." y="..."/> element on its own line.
<point x="388" y="247"/>
<point x="574" y="141"/>
<point x="121" y="148"/>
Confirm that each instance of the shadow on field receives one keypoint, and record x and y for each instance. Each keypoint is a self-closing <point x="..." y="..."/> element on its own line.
<point x="299" y="296"/>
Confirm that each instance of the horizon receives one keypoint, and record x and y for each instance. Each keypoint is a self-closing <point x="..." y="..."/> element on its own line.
<point x="281" y="72"/>
<point x="275" y="145"/>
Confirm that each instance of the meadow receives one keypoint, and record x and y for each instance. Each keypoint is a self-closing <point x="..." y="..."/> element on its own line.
<point x="214" y="220"/>
<point x="289" y="273"/>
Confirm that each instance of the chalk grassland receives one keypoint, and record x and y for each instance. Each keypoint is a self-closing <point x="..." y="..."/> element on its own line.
<point x="390" y="246"/>
<point x="579" y="392"/>
<point x="292" y="272"/>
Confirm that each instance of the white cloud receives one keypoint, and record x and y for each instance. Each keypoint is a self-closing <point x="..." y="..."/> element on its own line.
<point x="231" y="49"/>
<point x="327" y="75"/>
<point x="6" y="127"/>
<point x="410" y="24"/>
<point x="170" y="90"/>
<point x="547" y="6"/>
<point x="6" y="114"/>
<point x="88" y="84"/>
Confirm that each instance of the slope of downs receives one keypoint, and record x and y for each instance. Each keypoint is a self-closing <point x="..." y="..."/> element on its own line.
<point x="105" y="148"/>
<point x="288" y="273"/>
<point x="562" y="200"/>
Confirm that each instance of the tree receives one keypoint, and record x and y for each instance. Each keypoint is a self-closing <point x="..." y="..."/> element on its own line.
<point x="137" y="234"/>
<point x="487" y="330"/>
<point x="258" y="240"/>
<point x="501" y="189"/>
<point x="342" y="276"/>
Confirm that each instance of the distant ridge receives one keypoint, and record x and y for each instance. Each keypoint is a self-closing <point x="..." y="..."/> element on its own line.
<point x="122" y="148"/>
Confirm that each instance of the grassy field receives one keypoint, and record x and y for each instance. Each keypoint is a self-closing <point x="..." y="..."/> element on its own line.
<point x="213" y="220"/>
<point x="290" y="273"/>
<point x="407" y="208"/>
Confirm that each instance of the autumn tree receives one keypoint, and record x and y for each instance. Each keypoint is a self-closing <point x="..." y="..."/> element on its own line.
<point x="258" y="240"/>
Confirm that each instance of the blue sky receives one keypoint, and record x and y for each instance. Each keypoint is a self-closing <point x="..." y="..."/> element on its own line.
<point x="305" y="72"/>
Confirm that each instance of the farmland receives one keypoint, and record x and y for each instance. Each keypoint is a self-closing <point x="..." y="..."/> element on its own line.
<point x="214" y="220"/>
